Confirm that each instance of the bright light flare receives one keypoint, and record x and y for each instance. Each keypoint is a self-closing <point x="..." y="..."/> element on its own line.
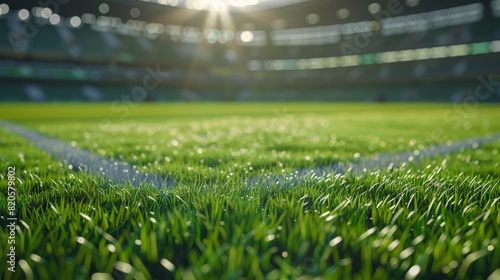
<point x="219" y="6"/>
<point x="246" y="36"/>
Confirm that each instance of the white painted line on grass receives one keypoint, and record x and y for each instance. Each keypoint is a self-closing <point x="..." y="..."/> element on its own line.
<point x="388" y="161"/>
<point x="380" y="162"/>
<point x="83" y="161"/>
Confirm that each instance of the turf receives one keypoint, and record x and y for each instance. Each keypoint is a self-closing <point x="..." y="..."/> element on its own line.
<point x="438" y="218"/>
<point x="214" y="140"/>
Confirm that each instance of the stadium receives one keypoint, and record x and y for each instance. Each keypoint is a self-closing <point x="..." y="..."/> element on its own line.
<point x="249" y="139"/>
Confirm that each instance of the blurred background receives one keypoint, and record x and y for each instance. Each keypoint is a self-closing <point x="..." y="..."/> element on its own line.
<point x="249" y="50"/>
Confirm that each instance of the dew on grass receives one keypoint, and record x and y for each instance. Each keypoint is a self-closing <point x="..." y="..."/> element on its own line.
<point x="413" y="272"/>
<point x="270" y="237"/>
<point x="393" y="245"/>
<point x="111" y="248"/>
<point x="453" y="264"/>
<point x="123" y="267"/>
<point x="465" y="250"/>
<point x="80" y="239"/>
<point x="167" y="264"/>
<point x="36" y="258"/>
<point x="26" y="269"/>
<point x="334" y="242"/>
<point x="345" y="262"/>
<point x="21" y="157"/>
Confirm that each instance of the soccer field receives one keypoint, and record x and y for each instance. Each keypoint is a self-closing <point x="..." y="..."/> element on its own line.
<point x="246" y="198"/>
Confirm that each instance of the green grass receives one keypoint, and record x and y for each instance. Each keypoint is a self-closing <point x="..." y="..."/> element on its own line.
<point x="433" y="219"/>
<point x="210" y="141"/>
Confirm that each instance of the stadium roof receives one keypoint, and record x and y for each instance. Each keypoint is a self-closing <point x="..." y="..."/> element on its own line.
<point x="227" y="4"/>
<point x="245" y="14"/>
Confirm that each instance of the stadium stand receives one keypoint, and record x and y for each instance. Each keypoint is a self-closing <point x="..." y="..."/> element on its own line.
<point x="426" y="52"/>
<point x="91" y="44"/>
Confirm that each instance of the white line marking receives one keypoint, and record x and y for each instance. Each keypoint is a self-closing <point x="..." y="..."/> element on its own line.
<point x="122" y="172"/>
<point x="379" y="162"/>
<point x="84" y="161"/>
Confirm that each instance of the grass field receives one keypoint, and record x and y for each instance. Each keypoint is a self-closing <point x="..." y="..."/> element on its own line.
<point x="438" y="218"/>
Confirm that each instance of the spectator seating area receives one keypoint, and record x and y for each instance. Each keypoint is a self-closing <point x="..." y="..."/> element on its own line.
<point x="91" y="62"/>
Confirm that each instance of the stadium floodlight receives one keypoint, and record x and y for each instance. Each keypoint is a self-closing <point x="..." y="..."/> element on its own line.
<point x="104" y="8"/>
<point x="247" y="36"/>
<point x="23" y="14"/>
<point x="46" y="13"/>
<point x="4" y="9"/>
<point x="54" y="19"/>
<point x="75" y="21"/>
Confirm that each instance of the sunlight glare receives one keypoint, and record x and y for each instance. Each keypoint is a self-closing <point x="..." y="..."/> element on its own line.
<point x="219" y="6"/>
